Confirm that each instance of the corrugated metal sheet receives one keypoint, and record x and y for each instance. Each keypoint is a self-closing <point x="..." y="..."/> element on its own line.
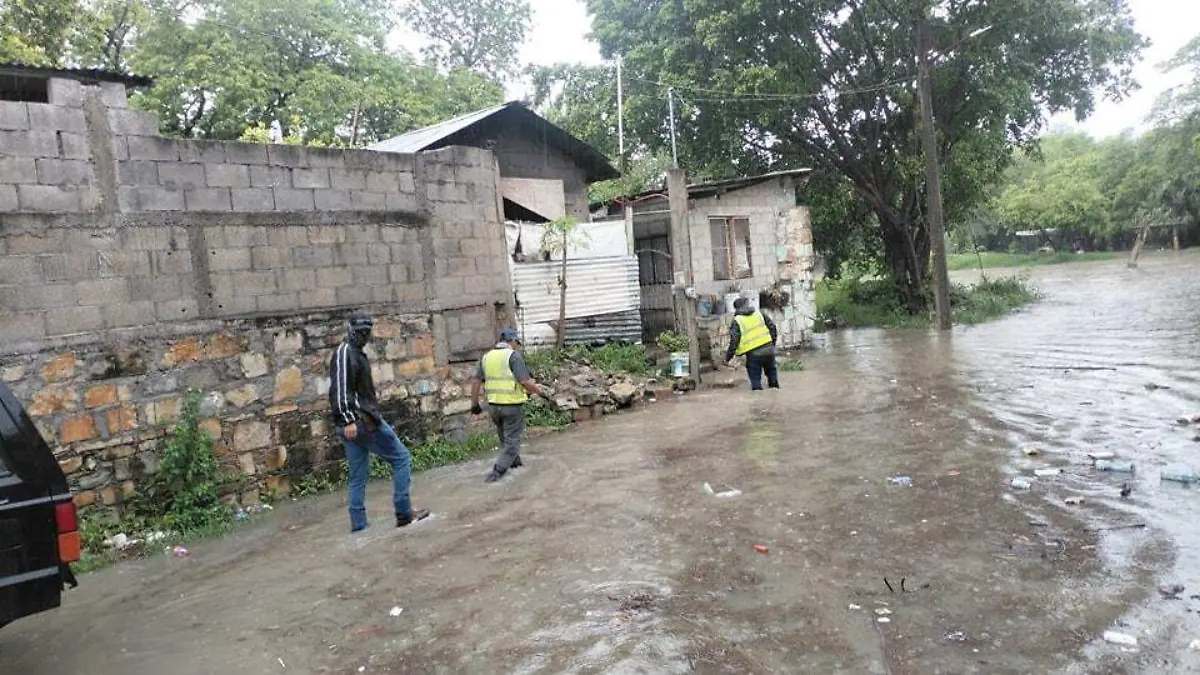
<point x="603" y="297"/>
<point x="420" y="139"/>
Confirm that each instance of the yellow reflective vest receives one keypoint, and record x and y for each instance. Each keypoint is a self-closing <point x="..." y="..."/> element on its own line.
<point x="754" y="332"/>
<point x="499" y="381"/>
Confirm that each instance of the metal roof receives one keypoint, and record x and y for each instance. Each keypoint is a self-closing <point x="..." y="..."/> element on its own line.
<point x="467" y="130"/>
<point x="87" y="75"/>
<point x="707" y="188"/>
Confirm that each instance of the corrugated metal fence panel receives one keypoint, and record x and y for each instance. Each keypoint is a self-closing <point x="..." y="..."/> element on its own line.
<point x="618" y="327"/>
<point x="595" y="287"/>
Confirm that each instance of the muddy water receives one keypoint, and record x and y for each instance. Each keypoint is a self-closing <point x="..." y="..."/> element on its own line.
<point x="606" y="554"/>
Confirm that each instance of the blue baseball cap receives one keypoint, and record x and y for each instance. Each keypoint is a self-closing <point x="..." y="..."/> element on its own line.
<point x="510" y="335"/>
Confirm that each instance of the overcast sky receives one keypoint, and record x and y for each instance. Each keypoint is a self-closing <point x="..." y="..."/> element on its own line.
<point x="560" y="31"/>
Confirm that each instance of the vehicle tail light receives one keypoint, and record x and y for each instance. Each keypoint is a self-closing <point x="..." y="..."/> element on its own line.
<point x="66" y="522"/>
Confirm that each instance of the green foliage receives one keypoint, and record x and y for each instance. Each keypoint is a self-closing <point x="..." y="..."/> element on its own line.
<point x="789" y="365"/>
<point x="480" y="35"/>
<point x="545" y="416"/>
<point x="184" y="494"/>
<point x="670" y="341"/>
<point x="37" y="32"/>
<point x="754" y="95"/>
<point x="547" y="364"/>
<point x="856" y="302"/>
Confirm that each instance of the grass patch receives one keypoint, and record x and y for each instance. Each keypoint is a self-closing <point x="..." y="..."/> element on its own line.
<point x="549" y="363"/>
<point x="546" y="417"/>
<point x="787" y="364"/>
<point x="857" y="303"/>
<point x="992" y="259"/>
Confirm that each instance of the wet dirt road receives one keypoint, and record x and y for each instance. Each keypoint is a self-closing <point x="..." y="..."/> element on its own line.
<point x="605" y="554"/>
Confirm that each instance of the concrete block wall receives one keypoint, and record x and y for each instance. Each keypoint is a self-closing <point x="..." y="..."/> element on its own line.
<point x="520" y="158"/>
<point x="765" y="205"/>
<point x="165" y="265"/>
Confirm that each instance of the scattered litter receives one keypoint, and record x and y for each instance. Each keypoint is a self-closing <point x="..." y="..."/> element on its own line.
<point x="761" y="549"/>
<point x="953" y="472"/>
<point x="396" y="611"/>
<point x="855" y="608"/>
<point x="180" y="552"/>
<point x="281" y="663"/>
<point x="884" y="619"/>
<point x="240" y="514"/>
<point x="900" y="480"/>
<point x="1115" y="466"/>
<point x="1183" y="421"/>
<point x="1194" y="645"/>
<point x="155" y="537"/>
<point x="956" y="636"/>
<point x="1073" y="501"/>
<point x="883" y="611"/>
<point x="1126" y="490"/>
<point x="1180" y="474"/>
<point x="1039" y="523"/>
<point x="1047" y="472"/>
<point x="118" y="541"/>
<point x="1120" y="638"/>
<point x="709" y="489"/>
<point x="733" y="492"/>
<point x="362" y="669"/>
<point x="1021" y="483"/>
<point x="1171" y="592"/>
<point x="1030" y="452"/>
<point x="1101" y="454"/>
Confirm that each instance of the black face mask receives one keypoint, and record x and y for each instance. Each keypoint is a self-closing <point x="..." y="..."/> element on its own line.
<point x="359" y="338"/>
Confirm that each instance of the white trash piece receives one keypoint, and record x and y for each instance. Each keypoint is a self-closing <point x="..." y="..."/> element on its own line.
<point x="1042" y="473"/>
<point x="396" y="611"/>
<point x="1122" y="639"/>
<point x="1021" y="483"/>
<point x="1101" y="454"/>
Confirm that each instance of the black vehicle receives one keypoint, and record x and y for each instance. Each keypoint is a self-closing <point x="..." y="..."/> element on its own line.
<point x="39" y="535"/>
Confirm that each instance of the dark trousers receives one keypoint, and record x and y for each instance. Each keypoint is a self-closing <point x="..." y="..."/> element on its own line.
<point x="756" y="365"/>
<point x="510" y="426"/>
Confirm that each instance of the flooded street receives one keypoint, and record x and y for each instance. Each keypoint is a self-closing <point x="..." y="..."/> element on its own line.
<point x="606" y="553"/>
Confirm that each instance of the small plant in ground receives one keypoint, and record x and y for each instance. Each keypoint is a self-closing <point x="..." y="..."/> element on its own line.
<point x="670" y="341"/>
<point x="547" y="417"/>
<point x="185" y="493"/>
<point x="789" y="365"/>
<point x="545" y="364"/>
<point x="614" y="358"/>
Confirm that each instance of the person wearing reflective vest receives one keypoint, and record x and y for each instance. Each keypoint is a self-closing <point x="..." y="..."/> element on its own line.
<point x="506" y="380"/>
<point x="753" y="336"/>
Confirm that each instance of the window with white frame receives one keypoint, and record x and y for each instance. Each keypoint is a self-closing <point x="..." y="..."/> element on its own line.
<point x="731" y="248"/>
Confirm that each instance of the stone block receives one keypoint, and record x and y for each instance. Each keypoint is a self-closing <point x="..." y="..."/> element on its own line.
<point x="13" y="373"/>
<point x="287" y="155"/>
<point x="402" y="202"/>
<point x="333" y="200"/>
<point x="176" y="310"/>
<point x="278" y="302"/>
<point x="51" y="400"/>
<point x="153" y="148"/>
<point x="65" y="92"/>
<point x="251" y="435"/>
<point x="141" y="173"/>
<point x="227" y="175"/>
<point x="277" y="458"/>
<point x="126" y="122"/>
<point x="78" y="429"/>
<point x="121" y="420"/>
<point x="289" y="384"/>
<point x="310" y="178"/>
<point x="128" y="314"/>
<point x="347" y="179"/>
<point x="171" y="262"/>
<point x="14" y="116"/>
<point x="18" y="169"/>
<point x="56" y="118"/>
<point x="74" y="321"/>
<point x="239" y="306"/>
<point x="315" y="299"/>
<point x="47" y="198"/>
<point x="102" y="291"/>
<point x="351" y="254"/>
<point x="254" y="365"/>
<point x="32" y="143"/>
<point x="159" y="199"/>
<point x="75" y="146"/>
<point x="253" y="201"/>
<point x="245" y="235"/>
<point x="247" y="284"/>
<point x="270" y="177"/>
<point x="228" y="259"/>
<point x="245" y="153"/>
<point x="353" y="295"/>
<point x="333" y="277"/>
<point x="327" y="157"/>
<point x="263" y="258"/>
<point x="312" y="256"/>
<point x="113" y="95"/>
<point x="8" y="198"/>
<point x="415" y="367"/>
<point x="223" y="346"/>
<point x="84" y="498"/>
<point x="243" y="396"/>
<point x="295" y="280"/>
<point x="368" y="201"/>
<point x="367" y="275"/>
<point x="294" y="200"/>
<point x="180" y="176"/>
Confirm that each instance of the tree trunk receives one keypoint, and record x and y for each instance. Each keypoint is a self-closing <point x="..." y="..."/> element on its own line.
<point x="562" y="297"/>
<point x="906" y="251"/>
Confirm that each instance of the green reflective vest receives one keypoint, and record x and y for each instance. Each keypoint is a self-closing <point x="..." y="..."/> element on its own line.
<point x="498" y="380"/>
<point x="754" y="330"/>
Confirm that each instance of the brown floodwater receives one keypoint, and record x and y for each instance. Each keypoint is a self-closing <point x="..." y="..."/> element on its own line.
<point x="607" y="554"/>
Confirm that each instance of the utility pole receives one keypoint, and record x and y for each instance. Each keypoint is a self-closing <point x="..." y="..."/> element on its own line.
<point x="621" y="116"/>
<point x="681" y="257"/>
<point x="671" y="112"/>
<point x="933" y="176"/>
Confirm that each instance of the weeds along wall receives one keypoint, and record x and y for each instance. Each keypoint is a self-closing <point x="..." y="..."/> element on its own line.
<point x="134" y="268"/>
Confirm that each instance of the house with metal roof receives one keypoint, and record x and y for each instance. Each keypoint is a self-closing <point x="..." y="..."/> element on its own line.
<point x="544" y="170"/>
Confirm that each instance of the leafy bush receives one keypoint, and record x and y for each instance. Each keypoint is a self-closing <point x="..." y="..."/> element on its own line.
<point x="857" y="302"/>
<point x="789" y="365"/>
<point x="547" y="417"/>
<point x="549" y="364"/>
<point x="185" y="494"/>
<point x="671" y="341"/>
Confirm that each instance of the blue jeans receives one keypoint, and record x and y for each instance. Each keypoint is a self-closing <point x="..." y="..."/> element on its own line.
<point x="385" y="443"/>
<point x="757" y="365"/>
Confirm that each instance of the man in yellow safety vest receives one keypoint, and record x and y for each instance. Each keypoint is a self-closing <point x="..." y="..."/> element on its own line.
<point x="506" y="379"/>
<point x="753" y="336"/>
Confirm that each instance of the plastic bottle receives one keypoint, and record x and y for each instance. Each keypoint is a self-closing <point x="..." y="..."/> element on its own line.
<point x="1115" y="465"/>
<point x="1181" y="474"/>
<point x="1021" y="483"/>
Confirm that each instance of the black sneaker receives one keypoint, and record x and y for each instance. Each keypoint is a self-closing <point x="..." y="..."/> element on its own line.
<point x="417" y="515"/>
<point x="493" y="477"/>
<point x="517" y="463"/>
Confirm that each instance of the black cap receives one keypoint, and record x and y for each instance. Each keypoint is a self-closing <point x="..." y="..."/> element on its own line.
<point x="361" y="322"/>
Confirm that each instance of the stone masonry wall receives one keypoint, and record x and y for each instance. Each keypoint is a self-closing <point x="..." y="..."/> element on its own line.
<point x="135" y="267"/>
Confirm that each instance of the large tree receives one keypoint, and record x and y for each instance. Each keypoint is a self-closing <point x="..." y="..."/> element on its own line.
<point x="479" y="35"/>
<point x="830" y="83"/>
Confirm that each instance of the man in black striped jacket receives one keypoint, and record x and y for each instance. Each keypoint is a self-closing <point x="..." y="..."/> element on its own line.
<point x="359" y="424"/>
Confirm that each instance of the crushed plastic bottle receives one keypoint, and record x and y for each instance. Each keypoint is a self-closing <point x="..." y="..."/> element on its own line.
<point x="1101" y="454"/>
<point x="1115" y="465"/>
<point x="240" y="514"/>
<point x="1180" y="474"/>
<point x="1122" y="639"/>
<point x="900" y="480"/>
<point x="1021" y="483"/>
<point x="1041" y="473"/>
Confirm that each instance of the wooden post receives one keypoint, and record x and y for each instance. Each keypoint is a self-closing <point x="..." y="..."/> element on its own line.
<point x="681" y="255"/>
<point x="933" y="177"/>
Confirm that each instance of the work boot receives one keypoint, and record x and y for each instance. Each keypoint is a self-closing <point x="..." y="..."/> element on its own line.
<point x="494" y="476"/>
<point x="417" y="515"/>
<point x="517" y="463"/>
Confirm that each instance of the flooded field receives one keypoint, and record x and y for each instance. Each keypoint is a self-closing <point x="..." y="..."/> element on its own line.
<point x="607" y="554"/>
